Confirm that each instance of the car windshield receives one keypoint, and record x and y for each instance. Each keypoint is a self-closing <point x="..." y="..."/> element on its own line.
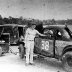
<point x="68" y="32"/>
<point x="69" y="27"/>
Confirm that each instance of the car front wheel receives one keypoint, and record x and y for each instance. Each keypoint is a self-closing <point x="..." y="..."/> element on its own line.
<point x="67" y="61"/>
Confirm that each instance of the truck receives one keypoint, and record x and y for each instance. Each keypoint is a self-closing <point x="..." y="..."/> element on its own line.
<point x="9" y="36"/>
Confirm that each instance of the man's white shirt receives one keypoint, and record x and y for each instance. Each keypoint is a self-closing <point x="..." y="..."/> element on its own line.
<point x="30" y="34"/>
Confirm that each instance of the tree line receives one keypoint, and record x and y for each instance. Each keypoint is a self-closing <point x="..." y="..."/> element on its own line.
<point x="21" y="20"/>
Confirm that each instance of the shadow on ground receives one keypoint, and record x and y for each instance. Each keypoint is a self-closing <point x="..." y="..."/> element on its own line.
<point x="48" y="63"/>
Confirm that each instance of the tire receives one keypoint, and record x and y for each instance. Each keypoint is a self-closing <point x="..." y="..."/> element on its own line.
<point x="21" y="51"/>
<point x="67" y="61"/>
<point x="0" y="51"/>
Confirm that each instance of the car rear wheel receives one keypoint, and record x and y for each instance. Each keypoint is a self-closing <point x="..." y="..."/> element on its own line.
<point x="21" y="51"/>
<point x="67" y="61"/>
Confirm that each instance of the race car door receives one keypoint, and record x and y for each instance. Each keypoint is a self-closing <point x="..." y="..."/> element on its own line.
<point x="62" y="40"/>
<point x="46" y="43"/>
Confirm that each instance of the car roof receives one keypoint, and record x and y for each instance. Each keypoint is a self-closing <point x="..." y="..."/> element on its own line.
<point x="13" y="25"/>
<point x="54" y="26"/>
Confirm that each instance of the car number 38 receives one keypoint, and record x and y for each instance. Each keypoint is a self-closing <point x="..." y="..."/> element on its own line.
<point x="45" y="45"/>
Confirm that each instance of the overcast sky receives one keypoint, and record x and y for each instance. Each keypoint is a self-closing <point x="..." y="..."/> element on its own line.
<point x="38" y="9"/>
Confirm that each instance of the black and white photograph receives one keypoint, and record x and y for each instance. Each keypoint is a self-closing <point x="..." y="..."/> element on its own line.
<point x="36" y="35"/>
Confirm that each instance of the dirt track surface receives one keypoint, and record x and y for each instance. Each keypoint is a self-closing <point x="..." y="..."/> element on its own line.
<point x="12" y="63"/>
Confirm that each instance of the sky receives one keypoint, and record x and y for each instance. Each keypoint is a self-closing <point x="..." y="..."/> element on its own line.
<point x="37" y="9"/>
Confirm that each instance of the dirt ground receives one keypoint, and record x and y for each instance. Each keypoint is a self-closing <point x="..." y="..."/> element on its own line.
<point x="12" y="63"/>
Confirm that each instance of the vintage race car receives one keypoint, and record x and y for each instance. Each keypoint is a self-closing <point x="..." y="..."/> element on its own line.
<point x="56" y="44"/>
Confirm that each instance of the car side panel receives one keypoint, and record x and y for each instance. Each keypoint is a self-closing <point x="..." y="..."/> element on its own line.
<point x="44" y="46"/>
<point x="60" y="45"/>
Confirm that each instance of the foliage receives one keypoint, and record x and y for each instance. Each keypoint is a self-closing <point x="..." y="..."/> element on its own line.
<point x="21" y="20"/>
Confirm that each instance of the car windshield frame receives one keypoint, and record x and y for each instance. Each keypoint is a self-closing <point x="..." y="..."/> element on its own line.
<point x="69" y="32"/>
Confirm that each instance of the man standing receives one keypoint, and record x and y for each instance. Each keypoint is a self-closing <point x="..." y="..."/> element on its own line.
<point x="29" y="43"/>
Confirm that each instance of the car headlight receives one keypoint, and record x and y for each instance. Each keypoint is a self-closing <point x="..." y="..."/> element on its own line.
<point x="3" y="41"/>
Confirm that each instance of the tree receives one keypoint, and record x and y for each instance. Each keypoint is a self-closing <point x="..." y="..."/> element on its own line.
<point x="53" y="21"/>
<point x="1" y="20"/>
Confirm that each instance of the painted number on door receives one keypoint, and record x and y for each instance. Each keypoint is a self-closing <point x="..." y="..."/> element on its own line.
<point x="45" y="45"/>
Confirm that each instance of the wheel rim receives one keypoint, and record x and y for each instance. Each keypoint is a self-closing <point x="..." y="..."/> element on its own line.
<point x="69" y="61"/>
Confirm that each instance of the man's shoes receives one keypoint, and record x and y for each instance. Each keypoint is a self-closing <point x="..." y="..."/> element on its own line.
<point x="26" y="64"/>
<point x="31" y="63"/>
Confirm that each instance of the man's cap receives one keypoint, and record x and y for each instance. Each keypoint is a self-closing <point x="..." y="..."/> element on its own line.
<point x="31" y="23"/>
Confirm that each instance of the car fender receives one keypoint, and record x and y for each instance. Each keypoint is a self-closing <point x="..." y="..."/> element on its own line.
<point x="67" y="49"/>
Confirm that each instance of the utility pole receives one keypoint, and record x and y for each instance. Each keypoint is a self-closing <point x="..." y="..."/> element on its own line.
<point x="44" y="9"/>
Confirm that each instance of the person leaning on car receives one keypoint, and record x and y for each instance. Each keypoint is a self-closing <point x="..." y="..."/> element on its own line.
<point x="29" y="42"/>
